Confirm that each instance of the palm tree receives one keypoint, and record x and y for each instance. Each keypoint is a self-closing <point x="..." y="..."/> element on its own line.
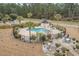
<point x="19" y="18"/>
<point x="29" y="15"/>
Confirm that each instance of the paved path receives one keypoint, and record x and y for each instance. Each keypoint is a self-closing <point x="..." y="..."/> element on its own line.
<point x="68" y="45"/>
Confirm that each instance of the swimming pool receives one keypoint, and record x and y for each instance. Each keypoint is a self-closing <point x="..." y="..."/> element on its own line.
<point x="40" y="30"/>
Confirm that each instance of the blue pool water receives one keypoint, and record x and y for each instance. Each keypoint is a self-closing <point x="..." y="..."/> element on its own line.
<point x="40" y="30"/>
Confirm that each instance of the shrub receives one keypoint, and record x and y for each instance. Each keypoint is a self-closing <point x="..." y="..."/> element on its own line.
<point x="43" y="38"/>
<point x="6" y="18"/>
<point x="60" y="28"/>
<point x="67" y="19"/>
<point x="18" y="25"/>
<point x="63" y="54"/>
<point x="64" y="49"/>
<point x="27" y="24"/>
<point x="52" y="18"/>
<point x="17" y="35"/>
<point x="77" y="41"/>
<point x="73" y="39"/>
<point x="58" y="45"/>
<point x="77" y="46"/>
<point x="58" y="54"/>
<point x="73" y="42"/>
<point x="57" y="51"/>
<point x="49" y="36"/>
<point x="33" y="37"/>
<point x="19" y="18"/>
<point x="13" y="16"/>
<point x="15" y="32"/>
<point x="59" y="35"/>
<point x="29" y="14"/>
<point x="58" y="17"/>
<point x="31" y="24"/>
<point x="74" y="48"/>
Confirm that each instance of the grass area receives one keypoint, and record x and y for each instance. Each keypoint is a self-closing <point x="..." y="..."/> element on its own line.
<point x="39" y="21"/>
<point x="32" y="20"/>
<point x="66" y="22"/>
<point x="60" y="22"/>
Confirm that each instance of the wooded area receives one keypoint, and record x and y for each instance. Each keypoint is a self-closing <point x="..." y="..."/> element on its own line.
<point x="68" y="11"/>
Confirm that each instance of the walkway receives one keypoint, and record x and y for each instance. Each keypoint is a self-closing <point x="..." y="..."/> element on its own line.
<point x="68" y="45"/>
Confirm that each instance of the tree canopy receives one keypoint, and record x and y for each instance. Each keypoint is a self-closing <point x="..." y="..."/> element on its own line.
<point x="40" y="10"/>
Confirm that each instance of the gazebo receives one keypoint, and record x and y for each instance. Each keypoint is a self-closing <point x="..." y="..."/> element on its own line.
<point x="44" y="21"/>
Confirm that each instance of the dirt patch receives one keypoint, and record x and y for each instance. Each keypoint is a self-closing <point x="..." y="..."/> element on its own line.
<point x="73" y="32"/>
<point x="10" y="46"/>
